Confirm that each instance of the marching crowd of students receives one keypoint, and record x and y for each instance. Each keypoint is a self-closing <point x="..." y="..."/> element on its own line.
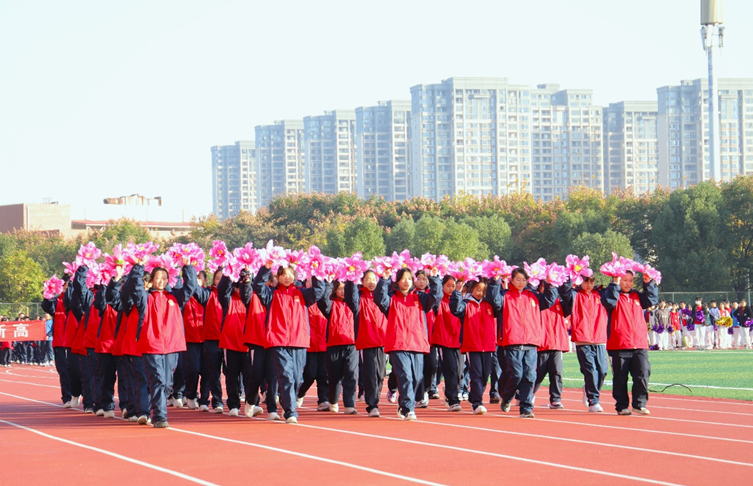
<point x="273" y="336"/>
<point x="700" y="326"/>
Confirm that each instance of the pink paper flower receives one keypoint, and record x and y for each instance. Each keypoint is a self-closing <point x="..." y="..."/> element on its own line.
<point x="294" y="257"/>
<point x="652" y="273"/>
<point x="577" y="268"/>
<point x="89" y="253"/>
<point x="232" y="268"/>
<point x="164" y="261"/>
<point x="556" y="274"/>
<point x="277" y="254"/>
<point x="70" y="268"/>
<point x="404" y="260"/>
<point x="312" y="264"/>
<point x="618" y="267"/>
<point x="467" y="270"/>
<point x="536" y="272"/>
<point x="352" y="268"/>
<point x="250" y="257"/>
<point x="191" y="251"/>
<point x="496" y="268"/>
<point x="385" y="264"/>
<point x="135" y="253"/>
<point x="52" y="287"/>
<point x="218" y="255"/>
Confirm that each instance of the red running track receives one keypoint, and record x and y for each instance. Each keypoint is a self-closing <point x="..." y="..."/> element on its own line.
<point x="686" y="441"/>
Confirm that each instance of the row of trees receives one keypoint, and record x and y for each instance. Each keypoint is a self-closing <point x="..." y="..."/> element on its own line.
<point x="701" y="238"/>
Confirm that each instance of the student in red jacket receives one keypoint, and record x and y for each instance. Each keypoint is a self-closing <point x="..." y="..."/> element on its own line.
<point x="342" y="357"/>
<point x="234" y="298"/>
<point x="213" y="355"/>
<point x="116" y="297"/>
<point x="554" y="342"/>
<point x="406" y="338"/>
<point x="588" y="319"/>
<point x="478" y="337"/>
<point x="521" y="335"/>
<point x="627" y="340"/>
<point x="82" y="303"/>
<point x="430" y="359"/>
<point x="68" y="372"/>
<point x="287" y="329"/>
<point x="446" y="338"/>
<point x="370" y="329"/>
<point x="106" y="362"/>
<point x="316" y="359"/>
<point x="160" y="333"/>
<point x="186" y="376"/>
<point x="262" y="369"/>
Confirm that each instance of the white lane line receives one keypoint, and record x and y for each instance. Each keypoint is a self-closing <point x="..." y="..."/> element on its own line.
<point x="115" y="455"/>
<point x="274" y="449"/>
<point x="27" y="383"/>
<point x="614" y="427"/>
<point x="492" y="454"/>
<point x="308" y="456"/>
<point x="680" y="398"/>
<point x="712" y="387"/>
<point x="580" y="441"/>
<point x="674" y="408"/>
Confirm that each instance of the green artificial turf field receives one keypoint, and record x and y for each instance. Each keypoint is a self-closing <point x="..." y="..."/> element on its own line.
<point x="730" y="371"/>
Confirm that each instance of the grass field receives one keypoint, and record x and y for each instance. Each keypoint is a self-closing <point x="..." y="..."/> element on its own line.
<point x="726" y="370"/>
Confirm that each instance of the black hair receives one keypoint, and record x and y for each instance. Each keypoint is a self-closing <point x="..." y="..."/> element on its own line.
<point x="518" y="271"/>
<point x="335" y="285"/>
<point x="66" y="277"/>
<point x="156" y="270"/>
<point x="475" y="283"/>
<point x="203" y="275"/>
<point x="370" y="270"/>
<point x="421" y="272"/>
<point x="282" y="270"/>
<point x="447" y="278"/>
<point x="402" y="272"/>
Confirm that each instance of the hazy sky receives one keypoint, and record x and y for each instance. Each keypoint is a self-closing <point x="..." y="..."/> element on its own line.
<point x="102" y="99"/>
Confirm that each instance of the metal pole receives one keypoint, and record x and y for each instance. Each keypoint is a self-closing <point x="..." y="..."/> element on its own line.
<point x="713" y="166"/>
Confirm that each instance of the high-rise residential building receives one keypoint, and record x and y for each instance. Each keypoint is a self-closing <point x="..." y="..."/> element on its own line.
<point x="280" y="159"/>
<point x="470" y="135"/>
<point x="631" y="146"/>
<point x="382" y="139"/>
<point x="567" y="145"/>
<point x="683" y="131"/>
<point x="330" y="152"/>
<point x="234" y="172"/>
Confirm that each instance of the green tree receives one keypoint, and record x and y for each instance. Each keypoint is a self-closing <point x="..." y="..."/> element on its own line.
<point x="21" y="278"/>
<point x="401" y="236"/>
<point x="359" y="235"/>
<point x="600" y="247"/>
<point x="461" y="241"/>
<point x="494" y="232"/>
<point x="430" y="234"/>
<point x="691" y="241"/>
<point x="737" y="204"/>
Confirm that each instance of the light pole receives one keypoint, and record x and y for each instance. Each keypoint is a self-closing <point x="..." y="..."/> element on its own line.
<point x="711" y="29"/>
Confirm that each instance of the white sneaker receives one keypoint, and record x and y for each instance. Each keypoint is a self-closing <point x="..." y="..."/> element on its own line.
<point x="400" y="415"/>
<point x="323" y="407"/>
<point x="75" y="402"/>
<point x="391" y="397"/>
<point x="203" y="408"/>
<point x="641" y="411"/>
<point x="133" y="418"/>
<point x="273" y="416"/>
<point x="170" y="403"/>
<point x="109" y="414"/>
<point x="219" y="409"/>
<point x="67" y="404"/>
<point x="423" y="403"/>
<point x="143" y="420"/>
<point x="455" y="408"/>
<point x="89" y="410"/>
<point x="465" y="397"/>
<point x="480" y="410"/>
<point x="178" y="402"/>
<point x="411" y="417"/>
<point x="99" y="412"/>
<point x="334" y="408"/>
<point x="299" y="402"/>
<point x="233" y="412"/>
<point x="374" y="412"/>
<point x="584" y="398"/>
<point x="191" y="403"/>
<point x="350" y="411"/>
<point x="291" y="420"/>
<point x="595" y="408"/>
